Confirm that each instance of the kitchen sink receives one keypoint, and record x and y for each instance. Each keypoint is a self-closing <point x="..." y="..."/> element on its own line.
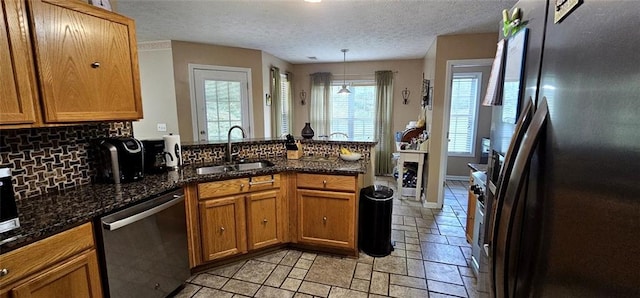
<point x="238" y="166"/>
<point x="215" y="169"/>
<point x="254" y="165"/>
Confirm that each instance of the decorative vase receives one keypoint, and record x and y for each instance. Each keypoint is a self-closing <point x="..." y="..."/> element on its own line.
<point x="307" y="132"/>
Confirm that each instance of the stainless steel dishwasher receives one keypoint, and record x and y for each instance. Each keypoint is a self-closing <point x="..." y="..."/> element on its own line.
<point x="144" y="248"/>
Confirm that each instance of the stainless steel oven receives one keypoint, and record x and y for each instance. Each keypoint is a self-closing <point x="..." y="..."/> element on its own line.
<point x="144" y="248"/>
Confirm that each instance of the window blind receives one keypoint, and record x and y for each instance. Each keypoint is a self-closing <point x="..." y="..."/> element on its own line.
<point x="464" y="113"/>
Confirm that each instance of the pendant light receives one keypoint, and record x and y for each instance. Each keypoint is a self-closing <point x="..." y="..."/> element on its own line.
<point x="344" y="89"/>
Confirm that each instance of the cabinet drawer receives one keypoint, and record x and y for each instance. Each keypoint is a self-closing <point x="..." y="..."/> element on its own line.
<point x="326" y="182"/>
<point x="37" y="256"/>
<point x="222" y="188"/>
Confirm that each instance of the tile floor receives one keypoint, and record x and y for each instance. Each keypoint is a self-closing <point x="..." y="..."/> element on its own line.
<point x="431" y="259"/>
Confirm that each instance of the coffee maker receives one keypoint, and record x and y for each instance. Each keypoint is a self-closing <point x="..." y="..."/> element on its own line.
<point x="120" y="160"/>
<point x="154" y="156"/>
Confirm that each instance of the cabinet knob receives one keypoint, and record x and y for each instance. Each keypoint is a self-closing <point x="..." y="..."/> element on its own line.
<point x="4" y="271"/>
<point x="221" y="229"/>
<point x="95" y="64"/>
<point x="242" y="186"/>
<point x="264" y="221"/>
<point x="324" y="219"/>
<point x="324" y="182"/>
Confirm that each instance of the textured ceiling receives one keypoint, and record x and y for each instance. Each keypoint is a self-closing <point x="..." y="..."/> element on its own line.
<point x="295" y="30"/>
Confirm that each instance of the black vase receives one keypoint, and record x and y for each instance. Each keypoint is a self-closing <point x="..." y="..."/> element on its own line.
<point x="307" y="132"/>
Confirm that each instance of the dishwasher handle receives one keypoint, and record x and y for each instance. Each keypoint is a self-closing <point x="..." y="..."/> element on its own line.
<point x="119" y="222"/>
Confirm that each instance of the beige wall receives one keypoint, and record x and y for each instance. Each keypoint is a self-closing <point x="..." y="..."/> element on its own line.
<point x="269" y="61"/>
<point x="408" y="74"/>
<point x="457" y="166"/>
<point x="450" y="47"/>
<point x="185" y="53"/>
<point x="158" y="92"/>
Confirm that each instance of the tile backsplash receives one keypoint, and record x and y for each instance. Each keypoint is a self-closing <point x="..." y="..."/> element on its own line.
<point x="214" y="153"/>
<point x="53" y="158"/>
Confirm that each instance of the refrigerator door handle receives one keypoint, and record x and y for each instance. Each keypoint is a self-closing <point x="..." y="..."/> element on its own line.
<point x="521" y="126"/>
<point x="507" y="254"/>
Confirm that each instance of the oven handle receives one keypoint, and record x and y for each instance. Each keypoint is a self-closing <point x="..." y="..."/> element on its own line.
<point x="119" y="223"/>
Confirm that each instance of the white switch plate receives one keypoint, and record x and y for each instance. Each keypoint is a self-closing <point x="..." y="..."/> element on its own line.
<point x="162" y="127"/>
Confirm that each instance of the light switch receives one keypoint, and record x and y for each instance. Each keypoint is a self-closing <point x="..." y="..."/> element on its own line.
<point x="162" y="127"/>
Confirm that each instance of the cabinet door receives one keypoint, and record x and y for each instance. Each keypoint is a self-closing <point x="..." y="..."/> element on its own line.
<point x="16" y="78"/>
<point x="326" y="218"/>
<point x="263" y="209"/>
<point x="222" y="227"/>
<point x="78" y="277"/>
<point x="87" y="62"/>
<point x="471" y="214"/>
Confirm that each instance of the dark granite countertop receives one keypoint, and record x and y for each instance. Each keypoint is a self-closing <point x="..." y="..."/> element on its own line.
<point x="49" y="214"/>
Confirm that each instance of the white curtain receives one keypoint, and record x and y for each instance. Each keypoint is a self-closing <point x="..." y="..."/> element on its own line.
<point x="384" y="120"/>
<point x="319" y="112"/>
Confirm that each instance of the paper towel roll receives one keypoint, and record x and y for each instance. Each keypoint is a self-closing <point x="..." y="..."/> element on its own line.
<point x="172" y="146"/>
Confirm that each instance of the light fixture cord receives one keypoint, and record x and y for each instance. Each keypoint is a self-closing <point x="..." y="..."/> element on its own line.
<point x="344" y="68"/>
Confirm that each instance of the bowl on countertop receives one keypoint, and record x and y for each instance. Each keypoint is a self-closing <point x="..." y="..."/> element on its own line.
<point x="351" y="157"/>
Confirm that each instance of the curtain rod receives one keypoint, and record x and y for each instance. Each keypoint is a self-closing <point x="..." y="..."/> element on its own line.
<point x="356" y="74"/>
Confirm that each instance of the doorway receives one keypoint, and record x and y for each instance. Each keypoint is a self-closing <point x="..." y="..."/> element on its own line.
<point x="219" y="100"/>
<point x="461" y="75"/>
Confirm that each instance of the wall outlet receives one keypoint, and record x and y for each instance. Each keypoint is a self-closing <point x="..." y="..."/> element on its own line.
<point x="162" y="127"/>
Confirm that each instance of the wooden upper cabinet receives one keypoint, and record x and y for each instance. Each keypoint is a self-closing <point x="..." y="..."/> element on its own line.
<point x="17" y="86"/>
<point x="87" y="62"/>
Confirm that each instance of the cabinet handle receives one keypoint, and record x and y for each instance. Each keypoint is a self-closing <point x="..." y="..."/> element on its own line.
<point x="264" y="221"/>
<point x="221" y="229"/>
<point x="324" y="182"/>
<point x="262" y="182"/>
<point x="324" y="219"/>
<point x="4" y="271"/>
<point x="241" y="186"/>
<point x="95" y="64"/>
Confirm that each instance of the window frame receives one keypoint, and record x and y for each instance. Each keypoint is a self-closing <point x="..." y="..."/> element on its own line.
<point x="197" y="110"/>
<point x="476" y="111"/>
<point x="335" y="83"/>
<point x="286" y="111"/>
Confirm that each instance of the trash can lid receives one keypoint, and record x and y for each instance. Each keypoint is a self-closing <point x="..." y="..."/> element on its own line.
<point x="378" y="192"/>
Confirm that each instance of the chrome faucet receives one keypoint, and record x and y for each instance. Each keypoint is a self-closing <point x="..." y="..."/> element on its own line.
<point x="244" y="135"/>
<point x="339" y="133"/>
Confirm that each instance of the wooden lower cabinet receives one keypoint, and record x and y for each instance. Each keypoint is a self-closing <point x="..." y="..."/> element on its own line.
<point x="264" y="225"/>
<point x="78" y="277"/>
<point x="234" y="216"/>
<point x="327" y="211"/>
<point x="63" y="265"/>
<point x="222" y="222"/>
<point x="471" y="209"/>
<point x="326" y="218"/>
<point x="471" y="214"/>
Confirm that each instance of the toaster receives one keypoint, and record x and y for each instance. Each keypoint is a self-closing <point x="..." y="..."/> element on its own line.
<point x="120" y="160"/>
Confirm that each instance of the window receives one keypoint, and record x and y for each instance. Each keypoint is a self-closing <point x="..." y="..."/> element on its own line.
<point x="220" y="101"/>
<point x="285" y="86"/>
<point x="354" y="113"/>
<point x="465" y="97"/>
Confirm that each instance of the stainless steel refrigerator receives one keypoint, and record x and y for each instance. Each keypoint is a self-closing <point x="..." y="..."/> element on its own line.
<point x="574" y="214"/>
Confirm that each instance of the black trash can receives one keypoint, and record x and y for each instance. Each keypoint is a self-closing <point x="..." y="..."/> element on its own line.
<point x="376" y="206"/>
